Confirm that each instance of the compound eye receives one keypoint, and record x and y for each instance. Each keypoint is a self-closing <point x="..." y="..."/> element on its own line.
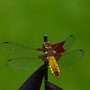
<point x="47" y="44"/>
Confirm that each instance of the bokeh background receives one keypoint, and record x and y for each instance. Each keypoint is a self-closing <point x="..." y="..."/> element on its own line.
<point x="26" y="21"/>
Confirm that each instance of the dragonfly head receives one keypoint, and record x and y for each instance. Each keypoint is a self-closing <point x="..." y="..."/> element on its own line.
<point x="47" y="45"/>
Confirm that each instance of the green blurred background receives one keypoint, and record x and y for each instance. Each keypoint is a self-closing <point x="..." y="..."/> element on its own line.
<point x="26" y="21"/>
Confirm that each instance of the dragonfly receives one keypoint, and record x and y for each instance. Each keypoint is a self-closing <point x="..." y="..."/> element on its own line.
<point x="31" y="58"/>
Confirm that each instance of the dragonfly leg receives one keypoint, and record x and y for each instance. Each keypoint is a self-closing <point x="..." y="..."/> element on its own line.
<point x="40" y="49"/>
<point x="43" y="57"/>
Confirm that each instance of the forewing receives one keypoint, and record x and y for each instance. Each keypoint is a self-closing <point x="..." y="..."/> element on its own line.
<point x="69" y="58"/>
<point x="69" y="42"/>
<point x="20" y="50"/>
<point x="64" y="45"/>
<point x="29" y="64"/>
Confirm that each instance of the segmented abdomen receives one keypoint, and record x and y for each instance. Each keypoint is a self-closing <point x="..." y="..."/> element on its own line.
<point x="54" y="66"/>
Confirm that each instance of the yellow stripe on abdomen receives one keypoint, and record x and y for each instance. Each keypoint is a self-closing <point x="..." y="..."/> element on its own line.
<point x="54" y="66"/>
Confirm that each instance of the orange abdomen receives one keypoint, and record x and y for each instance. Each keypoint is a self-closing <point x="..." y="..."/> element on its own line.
<point x="54" y="66"/>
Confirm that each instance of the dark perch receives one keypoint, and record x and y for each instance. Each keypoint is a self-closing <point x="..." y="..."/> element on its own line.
<point x="35" y="80"/>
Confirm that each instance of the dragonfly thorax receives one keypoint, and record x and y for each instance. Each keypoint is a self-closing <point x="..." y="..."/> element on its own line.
<point x="50" y="52"/>
<point x="47" y="45"/>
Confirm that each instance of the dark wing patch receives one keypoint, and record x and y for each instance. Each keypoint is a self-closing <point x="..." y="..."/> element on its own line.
<point x="59" y="47"/>
<point x="64" y="45"/>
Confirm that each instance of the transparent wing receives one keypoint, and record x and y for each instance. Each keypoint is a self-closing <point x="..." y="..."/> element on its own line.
<point x="29" y="64"/>
<point x="20" y="50"/>
<point x="65" y="45"/>
<point x="69" y="42"/>
<point x="69" y="58"/>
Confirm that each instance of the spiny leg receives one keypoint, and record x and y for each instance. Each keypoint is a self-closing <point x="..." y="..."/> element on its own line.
<point x="41" y="49"/>
<point x="43" y="57"/>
